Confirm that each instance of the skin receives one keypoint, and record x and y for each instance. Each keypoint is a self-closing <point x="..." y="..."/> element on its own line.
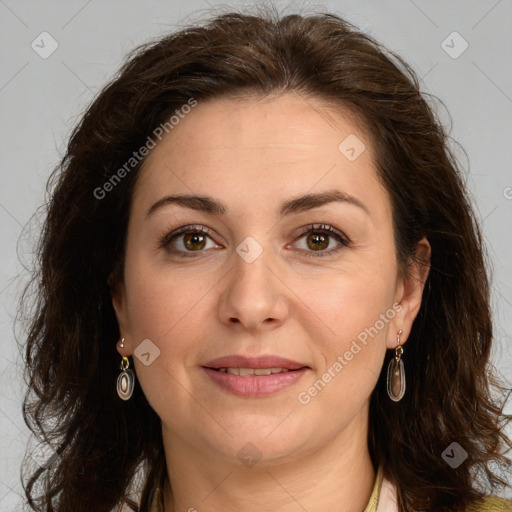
<point x="253" y="154"/>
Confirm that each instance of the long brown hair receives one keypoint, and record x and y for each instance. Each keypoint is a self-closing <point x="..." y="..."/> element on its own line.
<point x="107" y="448"/>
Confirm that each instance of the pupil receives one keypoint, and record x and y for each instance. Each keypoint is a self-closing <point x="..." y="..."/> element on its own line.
<point x="193" y="239"/>
<point x="319" y="239"/>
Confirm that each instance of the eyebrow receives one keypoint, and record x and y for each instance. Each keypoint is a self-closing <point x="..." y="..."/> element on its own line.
<point x="299" y="204"/>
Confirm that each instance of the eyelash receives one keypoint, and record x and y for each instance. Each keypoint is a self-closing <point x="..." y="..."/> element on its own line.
<point x="316" y="228"/>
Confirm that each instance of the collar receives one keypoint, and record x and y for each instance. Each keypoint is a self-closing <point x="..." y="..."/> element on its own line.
<point x="383" y="496"/>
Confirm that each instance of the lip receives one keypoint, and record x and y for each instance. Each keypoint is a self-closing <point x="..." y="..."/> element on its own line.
<point x="266" y="361"/>
<point x="255" y="385"/>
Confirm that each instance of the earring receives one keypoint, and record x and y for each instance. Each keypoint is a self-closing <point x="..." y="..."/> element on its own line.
<point x="396" y="373"/>
<point x="126" y="379"/>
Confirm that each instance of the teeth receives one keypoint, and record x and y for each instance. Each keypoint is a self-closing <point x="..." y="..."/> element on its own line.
<point x="252" y="371"/>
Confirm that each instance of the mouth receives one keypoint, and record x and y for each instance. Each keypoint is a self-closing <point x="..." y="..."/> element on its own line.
<point x="236" y="364"/>
<point x="244" y="372"/>
<point x="254" y="376"/>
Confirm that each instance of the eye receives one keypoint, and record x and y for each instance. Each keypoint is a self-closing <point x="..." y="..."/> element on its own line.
<point x="318" y="238"/>
<point x="192" y="239"/>
<point x="187" y="239"/>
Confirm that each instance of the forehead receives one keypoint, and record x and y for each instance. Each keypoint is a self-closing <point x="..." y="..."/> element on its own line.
<point x="261" y="149"/>
<point x="289" y="125"/>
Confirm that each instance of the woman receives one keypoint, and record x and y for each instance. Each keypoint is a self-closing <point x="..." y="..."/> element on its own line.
<point x="262" y="287"/>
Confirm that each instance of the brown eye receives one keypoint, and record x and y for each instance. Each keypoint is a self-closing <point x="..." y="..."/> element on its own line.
<point x="318" y="240"/>
<point x="188" y="239"/>
<point x="194" y="241"/>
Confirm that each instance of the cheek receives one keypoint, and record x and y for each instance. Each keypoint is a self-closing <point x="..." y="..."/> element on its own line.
<point x="354" y="314"/>
<point x="346" y="303"/>
<point x="163" y="307"/>
<point x="167" y="310"/>
<point x="159" y="297"/>
<point x="353" y="311"/>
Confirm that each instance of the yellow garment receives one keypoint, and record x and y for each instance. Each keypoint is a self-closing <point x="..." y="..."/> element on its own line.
<point x="489" y="504"/>
<point x="492" y="504"/>
<point x="374" y="496"/>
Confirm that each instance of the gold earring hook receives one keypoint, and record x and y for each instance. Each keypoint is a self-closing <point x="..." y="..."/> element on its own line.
<point x="398" y="350"/>
<point x="125" y="363"/>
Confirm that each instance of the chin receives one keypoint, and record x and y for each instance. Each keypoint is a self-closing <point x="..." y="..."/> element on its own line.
<point x="249" y="446"/>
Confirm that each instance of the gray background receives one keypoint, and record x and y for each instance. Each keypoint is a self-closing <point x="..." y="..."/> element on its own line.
<point x="42" y="99"/>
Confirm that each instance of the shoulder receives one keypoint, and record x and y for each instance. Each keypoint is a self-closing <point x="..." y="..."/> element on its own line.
<point x="492" y="504"/>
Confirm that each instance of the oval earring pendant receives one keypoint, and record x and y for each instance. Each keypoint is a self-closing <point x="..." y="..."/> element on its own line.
<point x="125" y="384"/>
<point x="396" y="380"/>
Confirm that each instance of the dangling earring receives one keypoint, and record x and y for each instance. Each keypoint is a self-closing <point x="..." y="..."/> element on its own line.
<point x="126" y="379"/>
<point x="396" y="373"/>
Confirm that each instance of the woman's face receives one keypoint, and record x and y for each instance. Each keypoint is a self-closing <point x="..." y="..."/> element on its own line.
<point x="262" y="281"/>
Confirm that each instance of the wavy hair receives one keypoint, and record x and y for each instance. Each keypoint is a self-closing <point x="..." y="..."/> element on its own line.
<point x="109" y="450"/>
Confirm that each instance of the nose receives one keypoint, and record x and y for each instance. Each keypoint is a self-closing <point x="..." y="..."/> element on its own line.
<point x="254" y="295"/>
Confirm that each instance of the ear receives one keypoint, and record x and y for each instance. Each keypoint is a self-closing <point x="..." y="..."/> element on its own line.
<point x="118" y="297"/>
<point x="409" y="293"/>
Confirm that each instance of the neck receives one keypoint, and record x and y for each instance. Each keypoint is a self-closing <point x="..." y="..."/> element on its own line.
<point x="337" y="477"/>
